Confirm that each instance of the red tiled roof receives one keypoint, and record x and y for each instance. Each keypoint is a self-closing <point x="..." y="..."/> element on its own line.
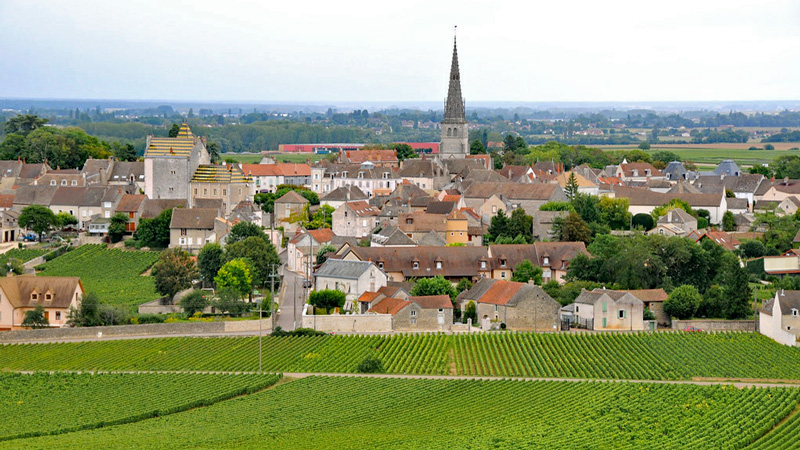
<point x="501" y="292"/>
<point x="322" y="234"/>
<point x="648" y="295"/>
<point x="433" y="301"/>
<point x="368" y="296"/>
<point x="130" y="202"/>
<point x="390" y="305"/>
<point x="7" y="201"/>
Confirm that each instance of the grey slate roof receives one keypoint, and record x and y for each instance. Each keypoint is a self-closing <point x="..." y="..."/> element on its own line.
<point x="337" y="268"/>
<point x="345" y="194"/>
<point x="728" y="167"/>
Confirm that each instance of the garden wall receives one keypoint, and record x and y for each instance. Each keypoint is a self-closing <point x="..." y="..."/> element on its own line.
<point x="715" y="325"/>
<point x="143" y="330"/>
<point x="349" y="323"/>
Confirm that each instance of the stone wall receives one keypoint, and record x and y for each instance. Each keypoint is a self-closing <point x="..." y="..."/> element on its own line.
<point x="349" y="323"/>
<point x="144" y="330"/>
<point x="715" y="325"/>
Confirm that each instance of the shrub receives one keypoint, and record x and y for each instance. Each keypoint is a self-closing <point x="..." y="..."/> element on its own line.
<point x="644" y="221"/>
<point x="470" y="312"/>
<point x="148" y="318"/>
<point x="682" y="302"/>
<point x="370" y="364"/>
<point x="279" y="332"/>
<point x="327" y="299"/>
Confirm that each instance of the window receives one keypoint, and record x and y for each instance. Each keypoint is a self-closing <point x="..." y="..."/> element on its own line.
<point x="494" y="209"/>
<point x="502" y="263"/>
<point x="577" y="308"/>
<point x="224" y="192"/>
<point x="58" y="315"/>
<point x="360" y="174"/>
<point x="416" y="265"/>
<point x="451" y="233"/>
<point x="483" y="264"/>
<point x="107" y="214"/>
<point x="34" y="296"/>
<point x="438" y="264"/>
<point x="63" y="182"/>
<point x="503" y="274"/>
<point x="214" y="191"/>
<point x="385" y="174"/>
<point x="605" y="306"/>
<point x="172" y="172"/>
<point x="205" y="191"/>
<point x="413" y="317"/>
<point x="182" y="241"/>
<point x="546" y="261"/>
<point x="364" y="223"/>
<point x="171" y="189"/>
<point x="195" y="191"/>
<point x="183" y="231"/>
<point x="380" y="265"/>
<point x="74" y="182"/>
<point x="794" y="312"/>
<point x="621" y="314"/>
<point x="52" y="182"/>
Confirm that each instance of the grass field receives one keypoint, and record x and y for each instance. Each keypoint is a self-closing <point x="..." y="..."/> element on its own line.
<point x="639" y="356"/>
<point x="373" y="413"/>
<point x="48" y="404"/>
<point x="114" y="275"/>
<point x="714" y="153"/>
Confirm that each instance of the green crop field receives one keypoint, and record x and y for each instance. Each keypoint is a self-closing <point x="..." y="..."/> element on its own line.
<point x="23" y="254"/>
<point x="375" y="413"/>
<point x="713" y="154"/>
<point x="114" y="275"/>
<point x="639" y="356"/>
<point x="48" y="404"/>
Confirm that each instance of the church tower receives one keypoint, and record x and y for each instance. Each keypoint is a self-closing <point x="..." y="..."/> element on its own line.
<point x="455" y="134"/>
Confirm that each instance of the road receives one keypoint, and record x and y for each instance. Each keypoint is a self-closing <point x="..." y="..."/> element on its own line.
<point x="292" y="300"/>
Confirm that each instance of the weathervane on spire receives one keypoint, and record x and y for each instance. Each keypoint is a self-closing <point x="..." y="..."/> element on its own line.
<point x="455" y="28"/>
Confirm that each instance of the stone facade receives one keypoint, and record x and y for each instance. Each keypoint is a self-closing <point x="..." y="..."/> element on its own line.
<point x="414" y="317"/>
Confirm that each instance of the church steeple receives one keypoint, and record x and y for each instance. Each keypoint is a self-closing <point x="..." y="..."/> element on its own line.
<point x="454" y="111"/>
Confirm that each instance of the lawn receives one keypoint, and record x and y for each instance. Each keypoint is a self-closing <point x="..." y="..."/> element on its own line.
<point x="114" y="275"/>
<point x="374" y="413"/>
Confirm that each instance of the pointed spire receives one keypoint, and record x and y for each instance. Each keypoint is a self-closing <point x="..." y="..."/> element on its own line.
<point x="454" y="107"/>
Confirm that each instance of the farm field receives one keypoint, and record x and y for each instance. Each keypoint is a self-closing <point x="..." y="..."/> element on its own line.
<point x="375" y="413"/>
<point x="636" y="356"/>
<point x="113" y="274"/>
<point x="23" y="254"/>
<point x="714" y="153"/>
<point x="36" y="404"/>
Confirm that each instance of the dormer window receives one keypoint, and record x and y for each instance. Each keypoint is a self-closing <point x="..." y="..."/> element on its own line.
<point x="409" y="221"/>
<point x="415" y="264"/>
<point x="546" y="261"/>
<point x="52" y="182"/>
<point x="502" y="263"/>
<point x="74" y="182"/>
<point x="380" y="264"/>
<point x="360" y="174"/>
<point x="344" y="174"/>
<point x="48" y="297"/>
<point x="385" y="175"/>
<point x="483" y="264"/>
<point x="63" y="182"/>
<point x="438" y="264"/>
<point x="34" y="296"/>
<point x="794" y="312"/>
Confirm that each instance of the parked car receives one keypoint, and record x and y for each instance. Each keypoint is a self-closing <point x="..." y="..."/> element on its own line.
<point x="30" y="237"/>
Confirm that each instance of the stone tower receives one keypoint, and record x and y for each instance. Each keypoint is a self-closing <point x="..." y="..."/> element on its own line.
<point x="455" y="133"/>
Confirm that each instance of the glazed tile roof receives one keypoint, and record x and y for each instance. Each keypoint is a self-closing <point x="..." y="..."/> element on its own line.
<point x="212" y="173"/>
<point x="181" y="145"/>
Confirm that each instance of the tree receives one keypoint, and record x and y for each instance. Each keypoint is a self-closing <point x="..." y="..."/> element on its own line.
<point x="752" y="248"/>
<point x="209" y="261"/>
<point x="194" y="302"/>
<point x="733" y="279"/>
<point x="327" y="299"/>
<point x="322" y="218"/>
<point x="35" y="318"/>
<point x="123" y="152"/>
<point x="88" y="312"/>
<point x="37" y="218"/>
<point x="174" y="271"/>
<point x="404" y="151"/>
<point x="614" y="212"/>
<point x="571" y="188"/>
<point x="557" y="206"/>
<point x="761" y="169"/>
<point x="728" y="221"/>
<point x="322" y="253"/>
<point x="644" y="145"/>
<point x="173" y="132"/>
<point x="23" y="124"/>
<point x="65" y="219"/>
<point x="437" y="285"/>
<point x="520" y="224"/>
<point x="230" y="300"/>
<point x="643" y="221"/>
<point x="470" y="312"/>
<point x="665" y="156"/>
<point x="682" y="302"/>
<point x="477" y="148"/>
<point x="117" y="227"/>
<point x="572" y="228"/>
<point x="260" y="254"/>
<point x="525" y="271"/>
<point x="243" y="230"/>
<point x="154" y="232"/>
<point x="463" y="285"/>
<point x="498" y="226"/>
<point x="235" y="274"/>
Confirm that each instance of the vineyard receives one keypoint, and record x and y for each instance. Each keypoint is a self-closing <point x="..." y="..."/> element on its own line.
<point x="639" y="356"/>
<point x="35" y="405"/>
<point x="114" y="275"/>
<point x="23" y="254"/>
<point x="376" y="413"/>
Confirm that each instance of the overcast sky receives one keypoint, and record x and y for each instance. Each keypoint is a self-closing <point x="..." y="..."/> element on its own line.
<point x="354" y="50"/>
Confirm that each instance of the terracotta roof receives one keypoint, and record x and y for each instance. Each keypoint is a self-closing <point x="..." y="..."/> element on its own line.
<point x="261" y="170"/>
<point x="501" y="292"/>
<point x="421" y="222"/>
<point x="368" y="296"/>
<point x="720" y="237"/>
<point x="640" y="168"/>
<point x="18" y="290"/>
<point x="378" y="156"/>
<point x="648" y="295"/>
<point x="7" y="200"/>
<point x="130" y="202"/>
<point x="433" y="301"/>
<point x="390" y="305"/>
<point x="193" y="218"/>
<point x="291" y="197"/>
<point x="322" y="235"/>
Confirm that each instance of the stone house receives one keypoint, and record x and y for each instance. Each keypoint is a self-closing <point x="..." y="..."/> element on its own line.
<point x="303" y="244"/>
<point x="638" y="171"/>
<point x="552" y="257"/>
<point x="520" y="306"/>
<point x="267" y="177"/>
<point x="342" y="195"/>
<point x="423" y="313"/>
<point x="779" y="318"/>
<point x="369" y="298"/>
<point x="169" y="164"/>
<point x="10" y="225"/>
<point x="402" y="263"/>
<point x="653" y="300"/>
<point x="288" y="208"/>
<point x="381" y="158"/>
<point x="20" y="294"/>
<point x="516" y="195"/>
<point x="427" y="174"/>
<point x="27" y="195"/>
<point x="192" y="228"/>
<point x="132" y="206"/>
<point x="219" y="182"/>
<point x="371" y="179"/>
<point x="351" y="277"/>
<point x="789" y="205"/>
<point x="645" y="201"/>
<point x="607" y="310"/>
<point x="86" y="203"/>
<point x="356" y="219"/>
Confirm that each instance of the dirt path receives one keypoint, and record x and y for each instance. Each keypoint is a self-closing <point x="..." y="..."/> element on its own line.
<point x="741" y="384"/>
